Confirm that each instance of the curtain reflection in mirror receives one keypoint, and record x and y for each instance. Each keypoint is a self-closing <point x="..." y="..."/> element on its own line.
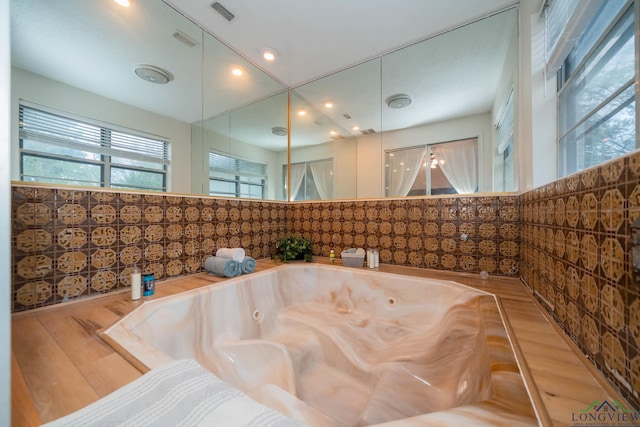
<point x="451" y="168"/>
<point x="459" y="163"/>
<point x="402" y="168"/>
<point x="311" y="180"/>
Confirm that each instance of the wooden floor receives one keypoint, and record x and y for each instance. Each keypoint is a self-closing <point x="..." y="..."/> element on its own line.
<point x="59" y="364"/>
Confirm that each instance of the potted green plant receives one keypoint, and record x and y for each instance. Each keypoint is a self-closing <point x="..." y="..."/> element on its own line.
<point x="293" y="248"/>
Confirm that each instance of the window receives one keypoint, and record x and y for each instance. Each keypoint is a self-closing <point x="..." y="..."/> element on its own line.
<point x="596" y="99"/>
<point x="310" y="180"/>
<point x="234" y="177"/>
<point x="65" y="150"/>
<point x="504" y="129"/>
<point x="452" y="168"/>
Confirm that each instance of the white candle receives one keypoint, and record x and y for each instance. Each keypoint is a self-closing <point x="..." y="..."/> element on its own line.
<point x="136" y="284"/>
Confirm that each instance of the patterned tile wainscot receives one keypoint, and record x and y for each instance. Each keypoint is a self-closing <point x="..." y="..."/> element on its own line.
<point x="576" y="259"/>
<point x="423" y="233"/>
<point x="70" y="243"/>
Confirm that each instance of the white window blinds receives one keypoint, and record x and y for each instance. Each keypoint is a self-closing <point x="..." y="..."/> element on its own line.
<point x="225" y="167"/>
<point x="565" y="22"/>
<point x="504" y="127"/>
<point x="68" y="133"/>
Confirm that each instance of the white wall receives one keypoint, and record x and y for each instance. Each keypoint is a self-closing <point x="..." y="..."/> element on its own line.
<point x="5" y="216"/>
<point x="50" y="93"/>
<point x="205" y="140"/>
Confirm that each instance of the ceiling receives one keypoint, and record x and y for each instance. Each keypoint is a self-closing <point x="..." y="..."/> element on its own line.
<point x="95" y="45"/>
<point x="316" y="38"/>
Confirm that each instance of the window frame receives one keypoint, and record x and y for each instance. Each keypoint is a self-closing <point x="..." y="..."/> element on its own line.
<point x="427" y="167"/>
<point x="568" y="156"/>
<point x="104" y="150"/>
<point x="239" y="179"/>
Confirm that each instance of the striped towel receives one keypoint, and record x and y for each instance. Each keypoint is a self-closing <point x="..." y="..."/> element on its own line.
<point x="180" y="393"/>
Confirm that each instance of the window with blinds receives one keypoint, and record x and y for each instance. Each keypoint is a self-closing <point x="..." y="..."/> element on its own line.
<point x="596" y="96"/>
<point x="64" y="150"/>
<point x="235" y="177"/>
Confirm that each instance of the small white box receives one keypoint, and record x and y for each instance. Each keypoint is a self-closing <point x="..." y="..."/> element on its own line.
<point x="352" y="259"/>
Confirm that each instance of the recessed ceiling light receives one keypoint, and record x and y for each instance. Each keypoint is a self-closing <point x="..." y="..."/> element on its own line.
<point x="237" y="71"/>
<point x="333" y="132"/>
<point x="269" y="54"/>
<point x="356" y="128"/>
<point x="399" y="100"/>
<point x="328" y="103"/>
<point x="153" y="74"/>
<point x="302" y="112"/>
<point x="123" y="3"/>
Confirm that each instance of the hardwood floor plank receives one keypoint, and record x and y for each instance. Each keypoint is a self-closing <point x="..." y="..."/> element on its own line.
<point x="56" y="385"/>
<point x="23" y="410"/>
<point x="108" y="373"/>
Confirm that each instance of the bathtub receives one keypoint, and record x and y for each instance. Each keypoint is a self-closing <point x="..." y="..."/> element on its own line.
<point x="336" y="346"/>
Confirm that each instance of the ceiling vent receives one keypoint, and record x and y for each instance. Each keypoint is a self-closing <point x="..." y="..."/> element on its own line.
<point x="223" y="11"/>
<point x="399" y="100"/>
<point x="153" y="74"/>
<point x="184" y="39"/>
<point x="279" y="130"/>
<point x="346" y="116"/>
<point x="367" y="131"/>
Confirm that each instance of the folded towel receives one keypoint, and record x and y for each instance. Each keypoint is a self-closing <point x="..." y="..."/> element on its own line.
<point x="231" y="253"/>
<point x="222" y="266"/>
<point x="248" y="264"/>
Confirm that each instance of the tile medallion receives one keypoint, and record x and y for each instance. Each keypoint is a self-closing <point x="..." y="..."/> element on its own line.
<point x="36" y="240"/>
<point x="34" y="293"/>
<point x="33" y="214"/>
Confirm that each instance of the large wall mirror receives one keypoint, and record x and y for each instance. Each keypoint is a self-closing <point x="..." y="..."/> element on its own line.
<point x="435" y="117"/>
<point x="76" y="58"/>
<point x="403" y="124"/>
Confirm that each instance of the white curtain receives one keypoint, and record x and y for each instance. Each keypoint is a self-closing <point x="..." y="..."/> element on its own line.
<point x="403" y="167"/>
<point x="459" y="163"/>
<point x="323" y="178"/>
<point x="297" y="175"/>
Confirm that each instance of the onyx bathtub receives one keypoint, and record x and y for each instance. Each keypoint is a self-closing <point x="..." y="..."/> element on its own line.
<point x="336" y="346"/>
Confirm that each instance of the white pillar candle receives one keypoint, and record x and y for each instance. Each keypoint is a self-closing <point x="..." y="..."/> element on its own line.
<point x="136" y="284"/>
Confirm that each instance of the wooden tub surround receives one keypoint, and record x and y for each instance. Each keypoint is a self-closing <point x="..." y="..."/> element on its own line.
<point x="60" y="364"/>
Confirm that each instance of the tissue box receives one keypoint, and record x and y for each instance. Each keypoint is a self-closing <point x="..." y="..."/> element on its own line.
<point x="352" y="259"/>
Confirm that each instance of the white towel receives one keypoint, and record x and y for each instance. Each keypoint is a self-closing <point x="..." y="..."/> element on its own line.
<point x="179" y="393"/>
<point x="236" y="254"/>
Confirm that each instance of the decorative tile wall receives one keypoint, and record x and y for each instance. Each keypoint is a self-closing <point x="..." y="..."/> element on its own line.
<point x="424" y="233"/>
<point x="74" y="243"/>
<point x="576" y="259"/>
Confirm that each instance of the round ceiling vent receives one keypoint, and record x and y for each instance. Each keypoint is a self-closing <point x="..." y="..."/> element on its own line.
<point x="279" y="131"/>
<point x="153" y="74"/>
<point x="399" y="100"/>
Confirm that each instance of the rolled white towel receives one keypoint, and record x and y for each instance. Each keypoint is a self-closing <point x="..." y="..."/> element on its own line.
<point x="236" y="254"/>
